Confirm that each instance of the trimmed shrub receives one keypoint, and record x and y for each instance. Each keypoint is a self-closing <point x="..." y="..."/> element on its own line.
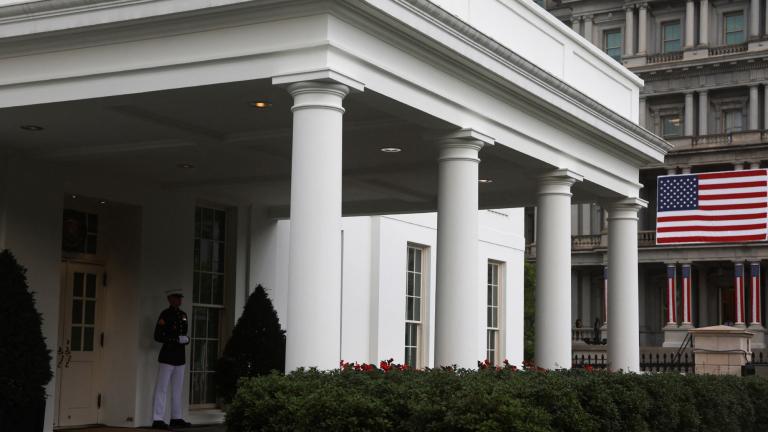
<point x="25" y="361"/>
<point x="372" y="399"/>
<point x="257" y="345"/>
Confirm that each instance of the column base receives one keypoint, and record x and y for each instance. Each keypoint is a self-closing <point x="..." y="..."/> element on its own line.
<point x="740" y="325"/>
<point x="758" y="340"/>
<point x="694" y="53"/>
<point x="604" y="333"/>
<point x="674" y="335"/>
<point x="757" y="45"/>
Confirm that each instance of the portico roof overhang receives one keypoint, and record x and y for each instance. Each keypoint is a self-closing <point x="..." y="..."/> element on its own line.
<point x="410" y="58"/>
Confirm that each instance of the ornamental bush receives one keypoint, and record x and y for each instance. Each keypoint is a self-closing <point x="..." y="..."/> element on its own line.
<point x="401" y="399"/>
<point x="25" y="361"/>
<point x="257" y="345"/>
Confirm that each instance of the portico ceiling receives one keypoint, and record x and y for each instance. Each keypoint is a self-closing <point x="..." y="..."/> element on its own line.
<point x="244" y="152"/>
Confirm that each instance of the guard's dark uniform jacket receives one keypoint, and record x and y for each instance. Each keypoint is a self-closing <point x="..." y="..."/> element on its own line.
<point x="171" y="324"/>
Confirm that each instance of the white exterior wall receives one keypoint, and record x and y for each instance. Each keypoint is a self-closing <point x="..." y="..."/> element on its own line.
<point x="374" y="279"/>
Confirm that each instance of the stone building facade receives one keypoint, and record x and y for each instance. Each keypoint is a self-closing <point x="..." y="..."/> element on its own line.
<point x="705" y="67"/>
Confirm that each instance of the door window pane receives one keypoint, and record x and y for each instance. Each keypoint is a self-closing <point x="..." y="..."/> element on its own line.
<point x="88" y="339"/>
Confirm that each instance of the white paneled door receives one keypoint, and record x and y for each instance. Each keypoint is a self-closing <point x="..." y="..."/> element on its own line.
<point x="80" y="345"/>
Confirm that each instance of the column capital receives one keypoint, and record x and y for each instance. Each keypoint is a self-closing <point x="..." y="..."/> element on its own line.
<point x="629" y="7"/>
<point x="316" y="94"/>
<point x="328" y="76"/>
<point x="462" y="144"/>
<point x="558" y="182"/>
<point x="625" y="208"/>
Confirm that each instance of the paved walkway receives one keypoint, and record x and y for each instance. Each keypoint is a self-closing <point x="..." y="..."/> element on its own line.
<point x="213" y="428"/>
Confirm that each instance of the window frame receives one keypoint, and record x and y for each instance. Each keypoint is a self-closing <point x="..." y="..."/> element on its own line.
<point x="681" y="128"/>
<point x="736" y="13"/>
<point x="724" y="120"/>
<point x="664" y="40"/>
<point x="495" y="333"/>
<point x="620" y="48"/>
<point x="220" y="309"/>
<point x="410" y="323"/>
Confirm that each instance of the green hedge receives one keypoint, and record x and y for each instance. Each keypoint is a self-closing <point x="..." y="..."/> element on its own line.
<point x="492" y="400"/>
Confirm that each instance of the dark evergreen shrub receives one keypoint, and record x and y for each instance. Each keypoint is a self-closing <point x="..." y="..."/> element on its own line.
<point x="257" y="345"/>
<point x="497" y="400"/>
<point x="24" y="358"/>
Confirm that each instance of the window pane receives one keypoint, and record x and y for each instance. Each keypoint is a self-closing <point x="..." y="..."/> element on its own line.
<point x="411" y="266"/>
<point x="197" y="255"/>
<point x="416" y="309"/>
<point x="198" y="351"/>
<point x="90" y="312"/>
<point x="76" y="334"/>
<point x="671" y="126"/>
<point x="410" y="284"/>
<point x="217" y="293"/>
<point x="77" y="284"/>
<point x="90" y="244"/>
<point x="219" y="225"/>
<point x="77" y="311"/>
<point x="213" y="324"/>
<point x="409" y="308"/>
<point x="90" y="285"/>
<point x="88" y="339"/>
<point x="196" y="287"/>
<point x="417" y="260"/>
<point x="206" y="255"/>
<point x="417" y="285"/>
<point x="205" y="288"/>
<point x="218" y="265"/>
<point x="198" y="221"/>
<point x="207" y="224"/>
<point x="212" y="355"/>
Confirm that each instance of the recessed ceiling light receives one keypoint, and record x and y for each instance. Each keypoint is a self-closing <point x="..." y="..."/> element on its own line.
<point x="73" y="196"/>
<point x="261" y="104"/>
<point x="391" y="150"/>
<point x="185" y="166"/>
<point x="102" y="202"/>
<point x="33" y="128"/>
<point x="485" y="181"/>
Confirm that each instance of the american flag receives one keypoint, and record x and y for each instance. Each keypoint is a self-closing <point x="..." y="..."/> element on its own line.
<point x="728" y="206"/>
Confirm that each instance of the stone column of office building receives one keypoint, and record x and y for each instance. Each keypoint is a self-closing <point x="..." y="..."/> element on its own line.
<point x="314" y="282"/>
<point x="588" y="28"/>
<point x="688" y="122"/>
<point x="674" y="334"/>
<point x="643" y="112"/>
<point x="738" y="284"/>
<point x="689" y="24"/>
<point x="576" y="24"/>
<point x="765" y="104"/>
<point x="686" y="295"/>
<point x="754" y="19"/>
<point x="703" y="112"/>
<point x="456" y="301"/>
<point x="553" y="270"/>
<point x="704" y="23"/>
<point x="629" y="30"/>
<point x="642" y="29"/>
<point x="754" y="107"/>
<point x="623" y="298"/>
<point x="755" y="309"/>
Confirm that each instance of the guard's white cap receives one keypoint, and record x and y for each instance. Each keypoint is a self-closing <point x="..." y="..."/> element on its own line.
<point x="174" y="292"/>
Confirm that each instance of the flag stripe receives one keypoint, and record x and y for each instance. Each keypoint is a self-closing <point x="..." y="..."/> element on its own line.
<point x="733" y="196"/>
<point x="733" y="206"/>
<point x="728" y="222"/>
<point x="710" y="239"/>
<point x="711" y="228"/>
<point x="707" y="185"/>
<point x="731" y="174"/>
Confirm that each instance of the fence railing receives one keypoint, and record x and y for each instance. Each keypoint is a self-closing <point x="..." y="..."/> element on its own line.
<point x="650" y="361"/>
<point x="728" y="49"/>
<point x="664" y="57"/>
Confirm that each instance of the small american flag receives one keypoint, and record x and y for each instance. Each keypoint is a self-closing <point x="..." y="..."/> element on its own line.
<point x="728" y="206"/>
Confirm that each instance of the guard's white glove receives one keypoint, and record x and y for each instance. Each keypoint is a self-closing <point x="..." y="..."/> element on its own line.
<point x="183" y="340"/>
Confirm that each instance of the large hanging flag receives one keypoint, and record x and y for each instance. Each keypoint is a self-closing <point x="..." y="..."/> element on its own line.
<point x="716" y="207"/>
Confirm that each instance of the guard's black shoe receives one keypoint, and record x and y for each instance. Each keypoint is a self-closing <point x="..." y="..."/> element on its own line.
<point x="180" y="423"/>
<point x="159" y="424"/>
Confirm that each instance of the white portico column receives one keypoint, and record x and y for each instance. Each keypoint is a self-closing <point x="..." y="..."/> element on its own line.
<point x="553" y="270"/>
<point x="456" y="300"/>
<point x="623" y="301"/>
<point x="689" y="21"/>
<point x="314" y="281"/>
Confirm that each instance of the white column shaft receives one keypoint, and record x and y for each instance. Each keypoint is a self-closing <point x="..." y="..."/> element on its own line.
<point x="687" y="290"/>
<point x="314" y="281"/>
<point x="629" y="31"/>
<point x="754" y="18"/>
<point x="642" y="30"/>
<point x="754" y="103"/>
<point x="623" y="301"/>
<point x="689" y="28"/>
<point x="456" y="299"/>
<point x="553" y="271"/>
<point x="703" y="112"/>
<point x="688" y="114"/>
<point x="671" y="299"/>
<point x="704" y="22"/>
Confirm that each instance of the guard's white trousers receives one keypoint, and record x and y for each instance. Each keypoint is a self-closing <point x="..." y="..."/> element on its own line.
<point x="175" y="376"/>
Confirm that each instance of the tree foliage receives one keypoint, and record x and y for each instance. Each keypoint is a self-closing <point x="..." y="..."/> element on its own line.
<point x="257" y="345"/>
<point x="25" y="360"/>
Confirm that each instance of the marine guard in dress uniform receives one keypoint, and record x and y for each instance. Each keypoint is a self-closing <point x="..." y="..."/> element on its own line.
<point x="170" y="330"/>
